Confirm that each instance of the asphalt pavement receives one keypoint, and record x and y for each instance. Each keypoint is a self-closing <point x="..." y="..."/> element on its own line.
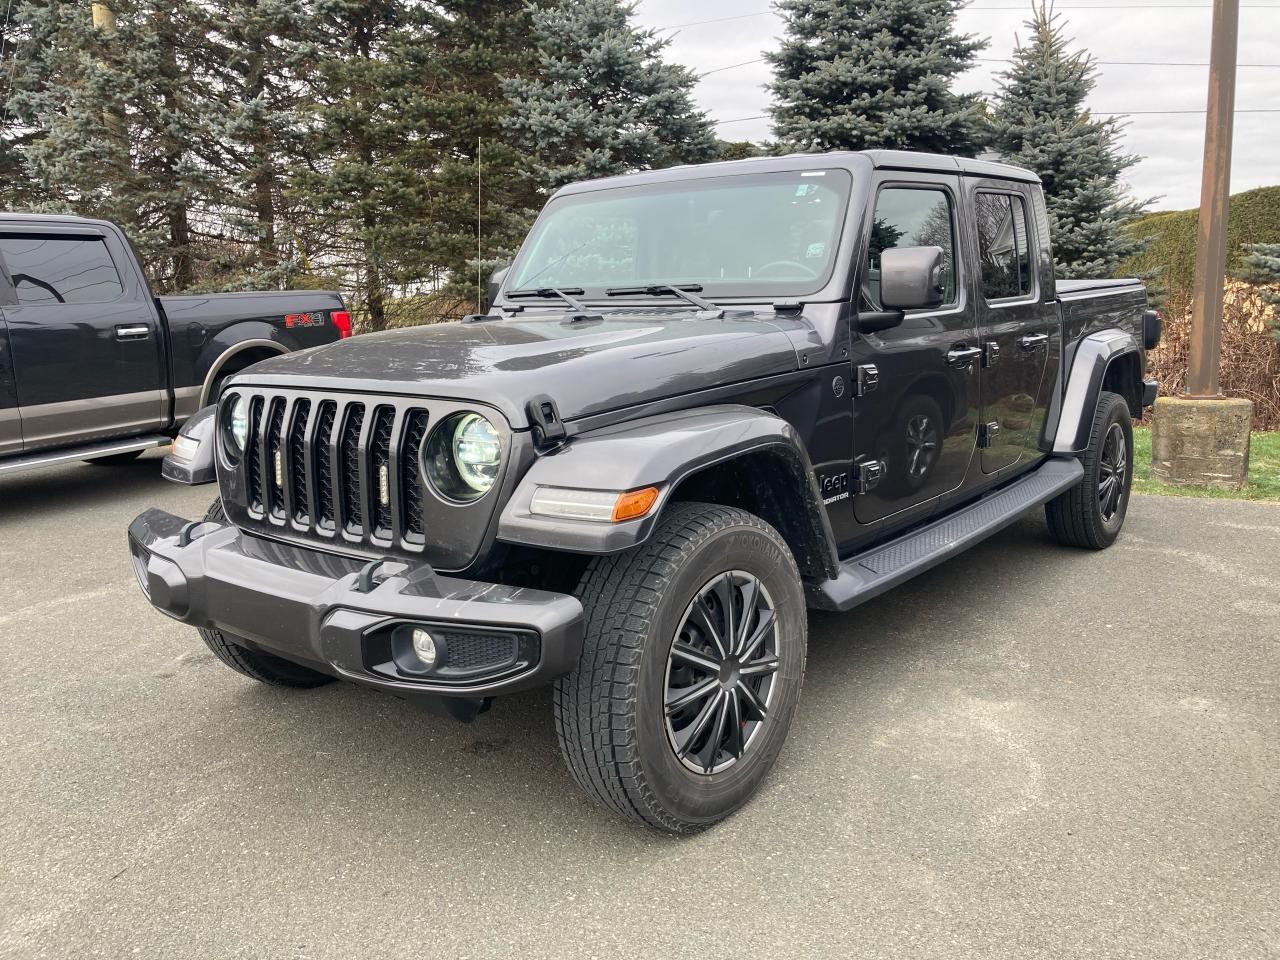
<point x="1029" y="751"/>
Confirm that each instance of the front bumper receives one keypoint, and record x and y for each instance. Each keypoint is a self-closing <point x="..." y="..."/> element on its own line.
<point x="344" y="617"/>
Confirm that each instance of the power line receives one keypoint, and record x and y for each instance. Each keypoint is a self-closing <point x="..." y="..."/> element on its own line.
<point x="1134" y="113"/>
<point x="732" y="66"/>
<point x="1022" y="10"/>
<point x="1144" y="63"/>
<point x="1102" y="63"/>
<point x="1100" y="113"/>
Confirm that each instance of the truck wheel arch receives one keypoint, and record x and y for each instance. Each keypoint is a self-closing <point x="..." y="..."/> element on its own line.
<point x="728" y="454"/>
<point x="266" y="348"/>
<point x="1108" y="359"/>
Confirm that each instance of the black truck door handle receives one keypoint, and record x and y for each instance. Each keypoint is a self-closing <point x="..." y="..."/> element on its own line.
<point x="137" y="332"/>
<point x="1033" y="340"/>
<point x="962" y="356"/>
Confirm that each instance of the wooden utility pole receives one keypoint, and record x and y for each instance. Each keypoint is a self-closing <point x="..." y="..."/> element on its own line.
<point x="104" y="21"/>
<point x="104" y="18"/>
<point x="1215" y="192"/>
<point x="1202" y="437"/>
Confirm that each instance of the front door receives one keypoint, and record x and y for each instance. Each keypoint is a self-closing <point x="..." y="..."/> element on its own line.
<point x="1015" y="328"/>
<point x="86" y="359"/>
<point x="919" y="421"/>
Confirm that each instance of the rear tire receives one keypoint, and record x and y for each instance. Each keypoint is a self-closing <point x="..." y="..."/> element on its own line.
<point x="652" y="617"/>
<point x="1091" y="513"/>
<point x="255" y="664"/>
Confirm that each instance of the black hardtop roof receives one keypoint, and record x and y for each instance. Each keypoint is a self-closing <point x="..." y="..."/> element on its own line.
<point x="855" y="161"/>
<point x="52" y="218"/>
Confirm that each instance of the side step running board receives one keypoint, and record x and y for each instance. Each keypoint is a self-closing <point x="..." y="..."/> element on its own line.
<point x="90" y="451"/>
<point x="870" y="574"/>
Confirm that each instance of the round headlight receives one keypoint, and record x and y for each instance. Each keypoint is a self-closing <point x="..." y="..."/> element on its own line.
<point x="462" y="456"/>
<point x="236" y="420"/>
<point x="477" y="452"/>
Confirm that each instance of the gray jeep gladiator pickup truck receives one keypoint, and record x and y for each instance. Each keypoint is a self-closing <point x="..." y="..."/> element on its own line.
<point x="93" y="367"/>
<point x="703" y="400"/>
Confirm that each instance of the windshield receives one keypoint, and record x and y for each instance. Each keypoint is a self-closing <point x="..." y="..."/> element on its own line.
<point x="770" y="234"/>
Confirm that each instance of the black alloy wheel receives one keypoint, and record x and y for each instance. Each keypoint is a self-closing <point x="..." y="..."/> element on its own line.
<point x="1113" y="473"/>
<point x="1091" y="513"/>
<point x="720" y="672"/>
<point x="690" y="670"/>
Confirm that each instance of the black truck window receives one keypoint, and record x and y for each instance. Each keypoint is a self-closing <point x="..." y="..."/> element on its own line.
<point x="50" y="269"/>
<point x="911" y="217"/>
<point x="1003" y="245"/>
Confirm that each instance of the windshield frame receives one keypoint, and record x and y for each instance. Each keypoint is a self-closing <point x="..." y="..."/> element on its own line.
<point x="818" y="288"/>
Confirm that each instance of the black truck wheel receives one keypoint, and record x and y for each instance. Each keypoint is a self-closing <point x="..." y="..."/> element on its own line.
<point x="1091" y="513"/>
<point x="690" y="670"/>
<point x="255" y="664"/>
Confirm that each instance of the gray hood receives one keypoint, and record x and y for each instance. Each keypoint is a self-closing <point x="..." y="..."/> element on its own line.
<point x="586" y="368"/>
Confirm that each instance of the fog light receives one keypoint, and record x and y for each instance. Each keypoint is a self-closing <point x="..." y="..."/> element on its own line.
<point x="424" y="645"/>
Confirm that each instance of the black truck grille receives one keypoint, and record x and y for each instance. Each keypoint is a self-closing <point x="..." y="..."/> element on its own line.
<point x="337" y="468"/>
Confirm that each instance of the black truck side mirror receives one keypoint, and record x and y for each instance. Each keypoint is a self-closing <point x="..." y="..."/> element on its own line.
<point x="494" y="284"/>
<point x="911" y="278"/>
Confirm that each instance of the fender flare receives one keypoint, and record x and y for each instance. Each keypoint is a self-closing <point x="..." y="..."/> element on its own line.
<point x="1093" y="356"/>
<point x="201" y="468"/>
<point x="662" y="451"/>
<point x="220" y="361"/>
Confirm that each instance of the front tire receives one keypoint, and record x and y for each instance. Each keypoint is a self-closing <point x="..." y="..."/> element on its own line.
<point x="690" y="670"/>
<point x="255" y="664"/>
<point x="1091" y="513"/>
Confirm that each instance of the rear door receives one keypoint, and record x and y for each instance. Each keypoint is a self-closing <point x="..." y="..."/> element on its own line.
<point x="1015" y="325"/>
<point x="85" y="344"/>
<point x="919" y="420"/>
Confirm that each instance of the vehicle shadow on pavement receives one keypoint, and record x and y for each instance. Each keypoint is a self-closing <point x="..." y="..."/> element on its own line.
<point x="86" y="485"/>
<point x="368" y="749"/>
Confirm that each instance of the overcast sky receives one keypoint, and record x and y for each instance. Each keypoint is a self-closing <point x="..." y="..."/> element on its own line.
<point x="1170" y="144"/>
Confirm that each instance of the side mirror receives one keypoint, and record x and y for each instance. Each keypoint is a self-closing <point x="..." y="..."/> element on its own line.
<point x="494" y="284"/>
<point x="911" y="278"/>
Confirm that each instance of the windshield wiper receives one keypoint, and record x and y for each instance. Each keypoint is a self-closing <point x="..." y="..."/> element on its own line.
<point x="546" y="293"/>
<point x="566" y="294"/>
<point x="685" y="292"/>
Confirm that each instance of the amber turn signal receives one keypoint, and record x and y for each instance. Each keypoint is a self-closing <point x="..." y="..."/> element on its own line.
<point x="635" y="503"/>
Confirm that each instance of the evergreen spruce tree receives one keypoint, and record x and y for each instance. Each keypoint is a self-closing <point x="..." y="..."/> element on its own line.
<point x="475" y="45"/>
<point x="18" y="189"/>
<point x="256" y="51"/>
<point x="1040" y="122"/>
<point x="1262" y="266"/>
<point x="366" y="110"/>
<point x="121" y="117"/>
<point x="861" y="74"/>
<point x="738" y="150"/>
<point x="603" y="101"/>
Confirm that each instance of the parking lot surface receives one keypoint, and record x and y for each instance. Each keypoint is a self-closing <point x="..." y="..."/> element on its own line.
<point x="1029" y="751"/>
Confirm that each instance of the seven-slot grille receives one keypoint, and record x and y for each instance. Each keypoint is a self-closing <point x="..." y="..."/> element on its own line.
<point x="337" y="467"/>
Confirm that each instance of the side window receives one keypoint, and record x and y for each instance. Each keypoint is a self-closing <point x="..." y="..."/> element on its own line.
<point x="910" y="217"/>
<point x="48" y="269"/>
<point x="1003" y="245"/>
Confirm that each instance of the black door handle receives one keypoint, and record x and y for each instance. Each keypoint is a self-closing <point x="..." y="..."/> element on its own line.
<point x="962" y="356"/>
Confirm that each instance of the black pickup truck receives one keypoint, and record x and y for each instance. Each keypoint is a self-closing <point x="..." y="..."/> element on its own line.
<point x="93" y="367"/>
<point x="704" y="399"/>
